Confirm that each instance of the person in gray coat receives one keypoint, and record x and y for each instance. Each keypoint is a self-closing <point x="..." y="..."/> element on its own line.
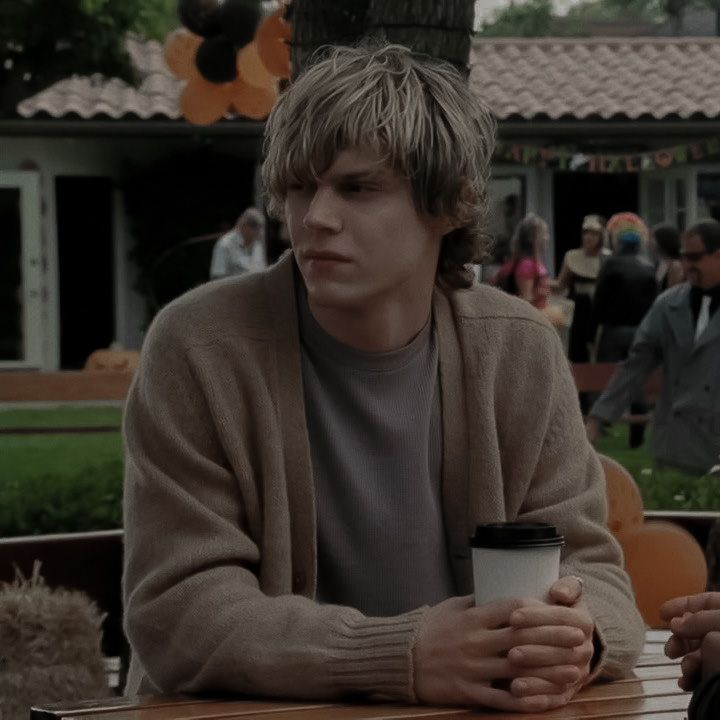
<point x="681" y="333"/>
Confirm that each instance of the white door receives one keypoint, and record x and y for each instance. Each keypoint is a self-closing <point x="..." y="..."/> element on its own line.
<point x="20" y="271"/>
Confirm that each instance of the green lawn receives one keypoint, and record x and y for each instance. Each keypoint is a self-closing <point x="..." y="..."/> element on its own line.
<point x="26" y="456"/>
<point x="66" y="482"/>
<point x="60" y="482"/>
<point x="661" y="489"/>
<point x="61" y="417"/>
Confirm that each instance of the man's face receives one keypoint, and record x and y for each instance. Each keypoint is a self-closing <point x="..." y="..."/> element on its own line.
<point x="701" y="268"/>
<point x="250" y="229"/>
<point x="358" y="238"/>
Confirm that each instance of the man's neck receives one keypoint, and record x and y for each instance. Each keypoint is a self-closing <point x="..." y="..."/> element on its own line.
<point x="383" y="328"/>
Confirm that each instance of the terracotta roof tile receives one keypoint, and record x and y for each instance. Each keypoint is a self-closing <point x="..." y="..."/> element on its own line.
<point x="598" y="77"/>
<point x="157" y="94"/>
<point x="520" y="78"/>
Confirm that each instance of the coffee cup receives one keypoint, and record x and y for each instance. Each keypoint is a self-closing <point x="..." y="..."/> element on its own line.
<point x="514" y="559"/>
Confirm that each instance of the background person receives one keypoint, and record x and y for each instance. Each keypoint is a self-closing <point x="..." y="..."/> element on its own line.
<point x="665" y="244"/>
<point x="578" y="276"/>
<point x="681" y="334"/>
<point x="525" y="274"/>
<point x="695" y="626"/>
<point x="625" y="290"/>
<point x="242" y="249"/>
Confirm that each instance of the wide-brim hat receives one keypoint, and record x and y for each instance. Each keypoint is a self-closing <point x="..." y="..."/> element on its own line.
<point x="594" y="223"/>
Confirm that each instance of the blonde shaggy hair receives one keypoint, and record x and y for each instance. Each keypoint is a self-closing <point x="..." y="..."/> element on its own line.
<point x="416" y="113"/>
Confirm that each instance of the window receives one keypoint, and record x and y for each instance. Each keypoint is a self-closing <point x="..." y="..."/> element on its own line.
<point x="680" y="204"/>
<point x="708" y="196"/>
<point x="506" y="207"/>
<point x="655" y="200"/>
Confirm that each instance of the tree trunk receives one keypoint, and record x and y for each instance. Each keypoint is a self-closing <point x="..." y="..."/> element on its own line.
<point x="441" y="29"/>
<point x="317" y="22"/>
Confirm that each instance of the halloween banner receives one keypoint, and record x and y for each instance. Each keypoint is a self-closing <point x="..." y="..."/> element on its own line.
<point x="569" y="160"/>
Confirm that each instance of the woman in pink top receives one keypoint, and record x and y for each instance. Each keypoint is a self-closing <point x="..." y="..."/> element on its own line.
<point x="525" y="274"/>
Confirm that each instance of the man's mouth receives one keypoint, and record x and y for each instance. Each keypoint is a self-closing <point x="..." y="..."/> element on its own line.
<point x="325" y="257"/>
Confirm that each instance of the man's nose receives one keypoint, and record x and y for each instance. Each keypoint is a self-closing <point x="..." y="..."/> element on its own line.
<point x="323" y="212"/>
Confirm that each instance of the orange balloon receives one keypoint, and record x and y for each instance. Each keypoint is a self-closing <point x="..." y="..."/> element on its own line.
<point x="272" y="39"/>
<point x="251" y="69"/>
<point x="203" y="102"/>
<point x="663" y="561"/>
<point x="625" y="505"/>
<point x="253" y="102"/>
<point x="180" y="50"/>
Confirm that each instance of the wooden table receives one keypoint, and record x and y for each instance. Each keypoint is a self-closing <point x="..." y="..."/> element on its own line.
<point x="652" y="694"/>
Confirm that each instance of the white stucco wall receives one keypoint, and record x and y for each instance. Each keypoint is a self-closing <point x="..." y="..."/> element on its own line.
<point x="90" y="156"/>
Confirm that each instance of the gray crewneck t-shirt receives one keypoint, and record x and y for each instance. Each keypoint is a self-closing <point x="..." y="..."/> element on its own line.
<point x="375" y="431"/>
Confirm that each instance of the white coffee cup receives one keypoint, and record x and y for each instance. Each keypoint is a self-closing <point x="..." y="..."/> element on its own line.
<point x="515" y="560"/>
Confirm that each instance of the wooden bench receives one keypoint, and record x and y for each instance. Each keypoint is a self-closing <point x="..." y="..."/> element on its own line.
<point x="78" y="386"/>
<point x="594" y="377"/>
<point x="63" y="386"/>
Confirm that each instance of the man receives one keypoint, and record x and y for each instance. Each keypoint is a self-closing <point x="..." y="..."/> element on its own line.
<point x="695" y="624"/>
<point x="310" y="448"/>
<point x="681" y="333"/>
<point x="242" y="249"/>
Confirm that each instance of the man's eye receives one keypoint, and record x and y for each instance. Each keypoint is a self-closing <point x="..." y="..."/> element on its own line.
<point x="353" y="188"/>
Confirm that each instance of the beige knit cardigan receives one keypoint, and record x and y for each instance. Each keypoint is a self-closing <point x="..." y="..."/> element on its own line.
<point x="220" y="555"/>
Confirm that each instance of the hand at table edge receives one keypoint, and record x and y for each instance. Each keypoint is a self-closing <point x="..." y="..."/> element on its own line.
<point x="460" y="657"/>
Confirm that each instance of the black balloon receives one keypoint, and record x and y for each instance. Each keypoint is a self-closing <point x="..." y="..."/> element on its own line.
<point x="239" y="20"/>
<point x="216" y="59"/>
<point x="201" y="16"/>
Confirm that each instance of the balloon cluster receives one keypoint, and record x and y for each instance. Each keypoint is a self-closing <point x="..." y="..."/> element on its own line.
<point x="229" y="58"/>
<point x="650" y="547"/>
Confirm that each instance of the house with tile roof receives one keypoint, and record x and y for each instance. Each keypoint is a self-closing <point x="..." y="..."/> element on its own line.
<point x="586" y="125"/>
<point x="636" y="121"/>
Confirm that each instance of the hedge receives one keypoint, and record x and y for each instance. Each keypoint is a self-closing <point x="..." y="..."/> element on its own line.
<point x="90" y="499"/>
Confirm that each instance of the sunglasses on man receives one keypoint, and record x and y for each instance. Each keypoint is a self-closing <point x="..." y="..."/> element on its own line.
<point x="693" y="256"/>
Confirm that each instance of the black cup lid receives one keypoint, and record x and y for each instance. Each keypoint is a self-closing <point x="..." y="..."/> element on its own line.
<point x="510" y="535"/>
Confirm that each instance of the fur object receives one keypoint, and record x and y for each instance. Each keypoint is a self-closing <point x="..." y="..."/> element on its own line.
<point x="49" y="647"/>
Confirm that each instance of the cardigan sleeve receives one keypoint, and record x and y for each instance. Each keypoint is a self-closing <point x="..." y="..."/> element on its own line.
<point x="568" y="490"/>
<point x="196" y="615"/>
